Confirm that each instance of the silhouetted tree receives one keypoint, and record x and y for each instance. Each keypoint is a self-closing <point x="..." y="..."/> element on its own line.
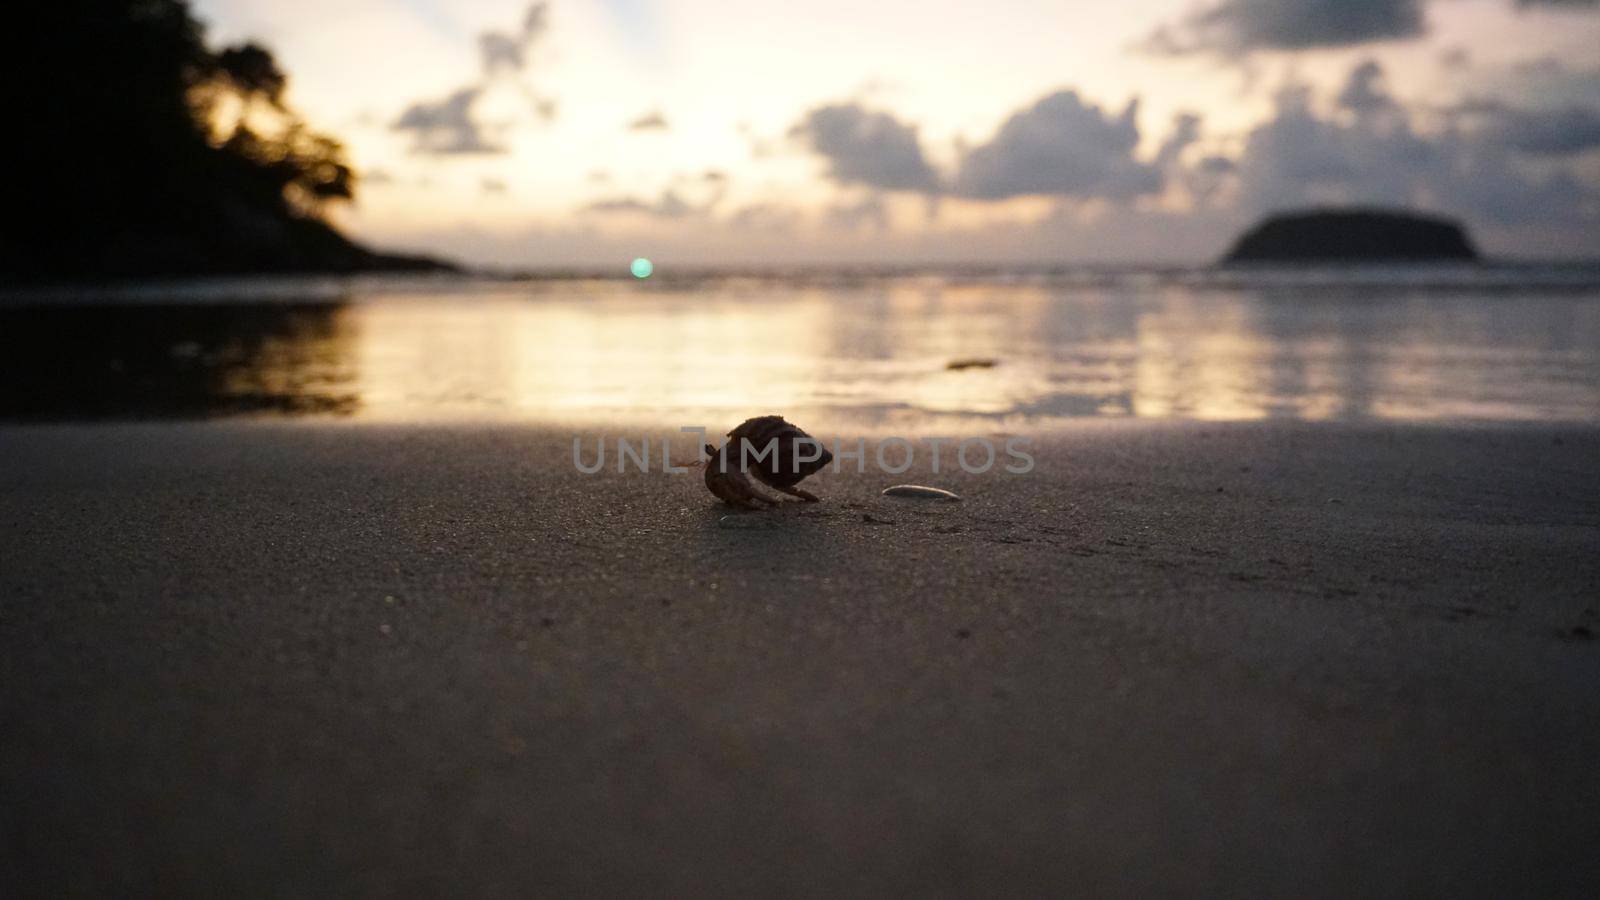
<point x="133" y="147"/>
<point x="253" y="71"/>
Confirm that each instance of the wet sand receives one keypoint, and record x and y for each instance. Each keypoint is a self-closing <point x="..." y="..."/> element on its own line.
<point x="287" y="659"/>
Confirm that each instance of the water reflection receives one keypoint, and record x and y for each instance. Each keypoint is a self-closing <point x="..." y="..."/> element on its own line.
<point x="188" y="361"/>
<point x="868" y="353"/>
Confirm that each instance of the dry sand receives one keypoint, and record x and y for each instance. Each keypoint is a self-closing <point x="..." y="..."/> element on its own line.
<point x="288" y="659"/>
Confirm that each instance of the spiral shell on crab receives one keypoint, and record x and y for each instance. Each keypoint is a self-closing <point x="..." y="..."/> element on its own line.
<point x="770" y="450"/>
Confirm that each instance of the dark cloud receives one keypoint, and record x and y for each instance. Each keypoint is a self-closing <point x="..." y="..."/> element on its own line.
<point x="1547" y="81"/>
<point x="447" y="126"/>
<point x="1552" y="126"/>
<point x="1364" y="91"/>
<point x="500" y="52"/>
<point x="866" y="147"/>
<point x="650" y="121"/>
<point x="1482" y="173"/>
<point x="1299" y="157"/>
<point x="1185" y="131"/>
<point x="507" y="51"/>
<point x="1241" y="26"/>
<point x="1235" y="26"/>
<point x="1547" y="132"/>
<point x="1510" y="168"/>
<point x="1061" y="146"/>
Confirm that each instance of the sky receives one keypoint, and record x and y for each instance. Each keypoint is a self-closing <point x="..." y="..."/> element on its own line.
<point x="694" y="132"/>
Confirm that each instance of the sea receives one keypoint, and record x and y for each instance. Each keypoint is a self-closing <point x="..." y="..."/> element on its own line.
<point x="999" y="349"/>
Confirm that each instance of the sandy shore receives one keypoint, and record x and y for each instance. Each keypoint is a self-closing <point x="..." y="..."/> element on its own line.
<point x="290" y="659"/>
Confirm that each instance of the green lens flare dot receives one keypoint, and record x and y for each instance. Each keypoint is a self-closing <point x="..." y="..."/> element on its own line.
<point x="641" y="268"/>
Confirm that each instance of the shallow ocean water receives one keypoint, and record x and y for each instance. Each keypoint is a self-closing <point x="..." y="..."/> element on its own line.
<point x="871" y="350"/>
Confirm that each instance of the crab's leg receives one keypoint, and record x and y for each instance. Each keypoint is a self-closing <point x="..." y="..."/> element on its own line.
<point x="805" y="495"/>
<point x="742" y="479"/>
<point x="725" y="491"/>
<point x="734" y="489"/>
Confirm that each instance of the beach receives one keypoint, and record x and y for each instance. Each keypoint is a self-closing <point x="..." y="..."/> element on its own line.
<point x="1208" y="501"/>
<point x="295" y="657"/>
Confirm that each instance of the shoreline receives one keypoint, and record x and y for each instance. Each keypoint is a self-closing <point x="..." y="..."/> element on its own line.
<point x="1273" y="657"/>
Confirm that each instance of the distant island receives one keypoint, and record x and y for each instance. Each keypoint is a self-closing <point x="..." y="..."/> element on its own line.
<point x="141" y="151"/>
<point x="1353" y="235"/>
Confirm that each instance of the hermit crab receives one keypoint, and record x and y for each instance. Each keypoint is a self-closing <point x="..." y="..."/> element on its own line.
<point x="776" y="453"/>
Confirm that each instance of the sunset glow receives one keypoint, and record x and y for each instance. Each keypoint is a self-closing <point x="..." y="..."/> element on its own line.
<point x="589" y="134"/>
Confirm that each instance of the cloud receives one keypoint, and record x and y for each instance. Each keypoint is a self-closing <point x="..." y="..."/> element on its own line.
<point x="1563" y="131"/>
<point x="447" y="126"/>
<point x="1228" y="27"/>
<point x="1206" y="178"/>
<point x="689" y="196"/>
<point x="761" y="147"/>
<point x="1539" y="107"/>
<point x="492" y="186"/>
<point x="1364" y="91"/>
<point x="706" y="182"/>
<point x="867" y="147"/>
<point x="668" y="206"/>
<point x="1061" y="146"/>
<point x="870" y="213"/>
<point x="1185" y="131"/>
<point x="1456" y="59"/>
<point x="507" y="51"/>
<point x="1520" y="175"/>
<point x="1236" y="26"/>
<point x="650" y="121"/>
<point x="765" y="218"/>
<point x="1546" y="80"/>
<point x="1300" y="158"/>
<point x="1378" y="155"/>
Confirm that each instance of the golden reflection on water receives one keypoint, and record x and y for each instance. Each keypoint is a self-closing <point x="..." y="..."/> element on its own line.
<point x="878" y="354"/>
<point x="869" y="354"/>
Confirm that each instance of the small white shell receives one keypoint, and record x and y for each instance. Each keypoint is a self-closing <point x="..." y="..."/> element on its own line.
<point x="920" y="492"/>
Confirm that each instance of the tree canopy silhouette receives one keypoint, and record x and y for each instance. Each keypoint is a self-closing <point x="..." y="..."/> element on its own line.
<point x="138" y="149"/>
